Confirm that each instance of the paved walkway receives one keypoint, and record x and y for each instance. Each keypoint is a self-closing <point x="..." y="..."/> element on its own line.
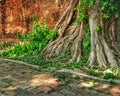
<point x="21" y="80"/>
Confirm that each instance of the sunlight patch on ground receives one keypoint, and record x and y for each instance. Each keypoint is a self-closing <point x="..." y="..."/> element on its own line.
<point x="105" y="86"/>
<point x="10" y="88"/>
<point x="102" y="86"/>
<point x="108" y="71"/>
<point x="43" y="79"/>
<point x="88" y="84"/>
<point x="115" y="91"/>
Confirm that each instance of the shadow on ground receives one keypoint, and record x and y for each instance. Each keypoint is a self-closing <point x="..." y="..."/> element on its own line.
<point x="21" y="80"/>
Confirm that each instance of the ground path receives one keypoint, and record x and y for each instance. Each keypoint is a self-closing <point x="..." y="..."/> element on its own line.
<point x="23" y="80"/>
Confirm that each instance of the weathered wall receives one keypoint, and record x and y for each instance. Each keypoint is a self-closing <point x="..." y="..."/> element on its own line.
<point x="19" y="14"/>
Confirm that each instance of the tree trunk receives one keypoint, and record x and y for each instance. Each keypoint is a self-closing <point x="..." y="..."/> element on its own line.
<point x="70" y="36"/>
<point x="100" y="51"/>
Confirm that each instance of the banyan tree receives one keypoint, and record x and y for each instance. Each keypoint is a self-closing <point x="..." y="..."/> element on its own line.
<point x="102" y="17"/>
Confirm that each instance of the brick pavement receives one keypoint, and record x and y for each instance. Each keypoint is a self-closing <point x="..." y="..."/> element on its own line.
<point x="21" y="80"/>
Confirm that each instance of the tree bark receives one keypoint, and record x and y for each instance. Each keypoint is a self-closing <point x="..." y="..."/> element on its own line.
<point x="100" y="51"/>
<point x="70" y="36"/>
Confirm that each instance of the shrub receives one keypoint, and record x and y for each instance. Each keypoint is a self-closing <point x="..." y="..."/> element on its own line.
<point x="109" y="76"/>
<point x="32" y="43"/>
<point x="93" y="73"/>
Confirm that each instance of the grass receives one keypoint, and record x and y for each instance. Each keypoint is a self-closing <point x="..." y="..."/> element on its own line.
<point x="94" y="73"/>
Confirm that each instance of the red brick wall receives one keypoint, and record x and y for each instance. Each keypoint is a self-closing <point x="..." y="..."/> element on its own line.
<point x="19" y="15"/>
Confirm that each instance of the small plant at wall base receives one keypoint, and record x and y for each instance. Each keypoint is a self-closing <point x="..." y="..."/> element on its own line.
<point x="6" y="44"/>
<point x="31" y="43"/>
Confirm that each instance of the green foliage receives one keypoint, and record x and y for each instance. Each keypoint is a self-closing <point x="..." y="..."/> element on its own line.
<point x="95" y="67"/>
<point x="112" y="82"/>
<point x="77" y="77"/>
<point x="82" y="9"/>
<point x="62" y="75"/>
<point x="110" y="8"/>
<point x="93" y="72"/>
<point x="31" y="43"/>
<point x="35" y="60"/>
<point x="85" y="53"/>
<point x="86" y="46"/>
<point x="6" y="44"/>
<point x="99" y="27"/>
<point x="109" y="76"/>
<point x="116" y="72"/>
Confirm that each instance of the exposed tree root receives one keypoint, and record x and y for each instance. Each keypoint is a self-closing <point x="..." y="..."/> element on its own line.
<point x="66" y="18"/>
<point x="87" y="76"/>
<point x="73" y="40"/>
<point x="20" y="62"/>
<point x="69" y="35"/>
<point x="63" y="70"/>
<point x="100" y="51"/>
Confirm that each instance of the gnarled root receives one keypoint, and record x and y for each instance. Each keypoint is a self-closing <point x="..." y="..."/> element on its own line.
<point x="73" y="40"/>
<point x="100" y="51"/>
<point x="69" y="35"/>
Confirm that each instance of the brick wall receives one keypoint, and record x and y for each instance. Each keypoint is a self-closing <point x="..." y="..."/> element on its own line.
<point x="19" y="19"/>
